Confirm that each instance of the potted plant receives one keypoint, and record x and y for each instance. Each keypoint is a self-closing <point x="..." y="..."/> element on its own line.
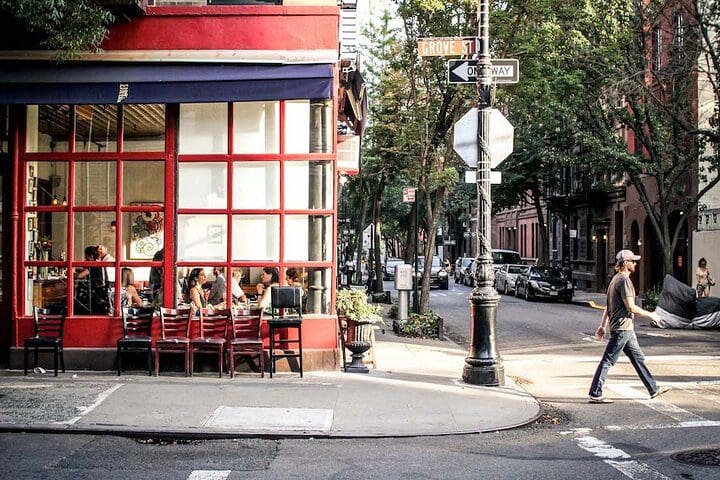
<point x="357" y="319"/>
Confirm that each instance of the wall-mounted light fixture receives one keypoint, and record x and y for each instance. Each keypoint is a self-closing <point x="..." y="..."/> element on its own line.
<point x="64" y="202"/>
<point x="594" y="238"/>
<point x="639" y="243"/>
<point x="604" y="237"/>
<point x="54" y="200"/>
<point x="113" y="226"/>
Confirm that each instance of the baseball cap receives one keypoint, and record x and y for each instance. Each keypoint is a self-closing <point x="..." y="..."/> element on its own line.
<point x="625" y="255"/>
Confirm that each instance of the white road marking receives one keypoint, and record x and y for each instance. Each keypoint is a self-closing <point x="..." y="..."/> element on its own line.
<point x="209" y="475"/>
<point x="618" y="459"/>
<point x="673" y="411"/>
<point x="689" y="424"/>
<point x="85" y="410"/>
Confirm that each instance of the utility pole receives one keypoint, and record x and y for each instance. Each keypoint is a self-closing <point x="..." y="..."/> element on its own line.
<point x="483" y="365"/>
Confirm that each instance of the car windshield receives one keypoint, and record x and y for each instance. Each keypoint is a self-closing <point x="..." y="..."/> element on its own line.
<point x="545" y="273"/>
<point x="506" y="257"/>
<point x="436" y="262"/>
<point x="516" y="269"/>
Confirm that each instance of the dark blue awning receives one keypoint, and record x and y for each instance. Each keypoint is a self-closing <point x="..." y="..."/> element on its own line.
<point x="161" y="83"/>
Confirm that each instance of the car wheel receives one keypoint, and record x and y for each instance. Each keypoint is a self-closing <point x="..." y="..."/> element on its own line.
<point x="507" y="290"/>
<point x="527" y="293"/>
<point x="444" y="286"/>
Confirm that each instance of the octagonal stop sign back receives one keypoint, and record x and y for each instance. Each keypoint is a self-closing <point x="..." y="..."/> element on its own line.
<point x="465" y="137"/>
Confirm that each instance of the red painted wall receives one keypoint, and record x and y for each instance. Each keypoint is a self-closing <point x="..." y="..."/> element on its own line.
<point x="229" y="28"/>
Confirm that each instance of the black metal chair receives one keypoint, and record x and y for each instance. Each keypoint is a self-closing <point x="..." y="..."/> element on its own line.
<point x="137" y="334"/>
<point x="48" y="337"/>
<point x="283" y="300"/>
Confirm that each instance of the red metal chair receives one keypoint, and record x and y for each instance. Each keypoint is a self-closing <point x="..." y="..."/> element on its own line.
<point x="213" y="330"/>
<point x="174" y="335"/>
<point x="48" y="337"/>
<point x="137" y="334"/>
<point x="245" y="340"/>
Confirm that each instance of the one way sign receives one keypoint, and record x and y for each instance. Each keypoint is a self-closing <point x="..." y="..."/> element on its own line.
<point x="504" y="70"/>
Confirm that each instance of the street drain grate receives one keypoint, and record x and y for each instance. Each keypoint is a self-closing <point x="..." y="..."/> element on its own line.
<point x="705" y="457"/>
<point x="168" y="441"/>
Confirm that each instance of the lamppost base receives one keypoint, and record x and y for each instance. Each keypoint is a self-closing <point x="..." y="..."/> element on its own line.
<point x="492" y="375"/>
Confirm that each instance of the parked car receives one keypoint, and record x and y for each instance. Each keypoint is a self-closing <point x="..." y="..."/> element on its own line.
<point x="389" y="267"/>
<point x="506" y="276"/>
<point x="543" y="282"/>
<point x="505" y="257"/>
<point x="438" y="274"/>
<point x="460" y="265"/>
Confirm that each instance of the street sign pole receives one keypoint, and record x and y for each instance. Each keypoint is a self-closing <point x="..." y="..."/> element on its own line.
<point x="483" y="365"/>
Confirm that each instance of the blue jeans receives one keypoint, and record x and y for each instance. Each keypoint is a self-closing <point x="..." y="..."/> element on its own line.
<point x="622" y="341"/>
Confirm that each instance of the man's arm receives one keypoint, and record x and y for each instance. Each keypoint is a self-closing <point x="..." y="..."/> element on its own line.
<point x="632" y="308"/>
<point x="602" y="328"/>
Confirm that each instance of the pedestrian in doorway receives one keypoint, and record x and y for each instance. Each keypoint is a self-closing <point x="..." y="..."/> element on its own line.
<point x="618" y="317"/>
<point x="703" y="278"/>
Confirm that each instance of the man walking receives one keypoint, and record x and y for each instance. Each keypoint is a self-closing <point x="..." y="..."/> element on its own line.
<point x="618" y="318"/>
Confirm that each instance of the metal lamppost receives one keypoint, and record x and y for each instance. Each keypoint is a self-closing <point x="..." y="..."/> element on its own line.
<point x="483" y="365"/>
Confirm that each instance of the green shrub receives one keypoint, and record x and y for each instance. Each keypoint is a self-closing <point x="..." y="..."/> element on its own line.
<point x="425" y="326"/>
<point x="354" y="305"/>
<point x="393" y="312"/>
<point x="652" y="297"/>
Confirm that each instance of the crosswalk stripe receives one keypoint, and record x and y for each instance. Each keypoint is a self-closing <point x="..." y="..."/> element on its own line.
<point x="673" y="411"/>
<point x="618" y="459"/>
<point x="209" y="475"/>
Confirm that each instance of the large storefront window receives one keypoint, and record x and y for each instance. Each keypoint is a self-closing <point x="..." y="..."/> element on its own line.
<point x="77" y="242"/>
<point x="252" y="191"/>
<point x="278" y="215"/>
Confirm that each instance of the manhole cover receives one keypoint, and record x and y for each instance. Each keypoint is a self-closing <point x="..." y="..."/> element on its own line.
<point x="706" y="457"/>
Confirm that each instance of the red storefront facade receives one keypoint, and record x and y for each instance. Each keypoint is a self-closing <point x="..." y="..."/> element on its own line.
<point x="201" y="137"/>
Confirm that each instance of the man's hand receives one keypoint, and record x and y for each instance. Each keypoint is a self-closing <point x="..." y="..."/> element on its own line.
<point x="653" y="316"/>
<point x="600" y="332"/>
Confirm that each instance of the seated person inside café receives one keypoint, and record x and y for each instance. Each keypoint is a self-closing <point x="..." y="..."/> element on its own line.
<point x="129" y="296"/>
<point x="194" y="294"/>
<point x="218" y="289"/>
<point x="270" y="277"/>
<point x="91" y="291"/>
<point x="238" y="295"/>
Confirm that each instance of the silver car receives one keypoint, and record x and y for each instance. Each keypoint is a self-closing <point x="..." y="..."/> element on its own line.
<point x="506" y="276"/>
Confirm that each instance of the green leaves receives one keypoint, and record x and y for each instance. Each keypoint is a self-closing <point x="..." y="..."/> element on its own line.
<point x="69" y="27"/>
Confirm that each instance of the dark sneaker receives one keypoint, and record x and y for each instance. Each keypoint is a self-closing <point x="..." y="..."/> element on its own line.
<point x="660" y="391"/>
<point x="601" y="399"/>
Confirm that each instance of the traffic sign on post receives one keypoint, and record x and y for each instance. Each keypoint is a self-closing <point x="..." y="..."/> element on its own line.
<point x="504" y="70"/>
<point x="446" y="46"/>
<point x="465" y="140"/>
<point x="408" y="195"/>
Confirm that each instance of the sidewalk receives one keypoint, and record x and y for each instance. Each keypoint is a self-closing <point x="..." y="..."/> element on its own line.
<point x="589" y="299"/>
<point x="415" y="390"/>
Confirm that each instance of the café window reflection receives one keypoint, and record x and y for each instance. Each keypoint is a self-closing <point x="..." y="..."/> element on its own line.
<point x="95" y="183"/>
<point x="46" y="288"/>
<point x="48" y="128"/>
<point x="47" y="184"/>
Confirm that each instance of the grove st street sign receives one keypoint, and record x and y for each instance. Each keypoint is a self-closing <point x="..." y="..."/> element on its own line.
<point x="504" y="70"/>
<point x="446" y="46"/>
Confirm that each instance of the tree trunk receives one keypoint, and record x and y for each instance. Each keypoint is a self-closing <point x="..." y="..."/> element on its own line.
<point x="377" y="212"/>
<point x="543" y="254"/>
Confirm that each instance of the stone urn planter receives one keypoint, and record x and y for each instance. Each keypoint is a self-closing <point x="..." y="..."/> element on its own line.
<point x="358" y="341"/>
<point x="356" y="319"/>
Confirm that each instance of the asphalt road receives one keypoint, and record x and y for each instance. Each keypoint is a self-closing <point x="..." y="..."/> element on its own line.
<point x="546" y="348"/>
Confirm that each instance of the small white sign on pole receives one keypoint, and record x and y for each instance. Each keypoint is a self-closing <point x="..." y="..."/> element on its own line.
<point x="409" y="195"/>
<point x="495" y="177"/>
<point x="403" y="277"/>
